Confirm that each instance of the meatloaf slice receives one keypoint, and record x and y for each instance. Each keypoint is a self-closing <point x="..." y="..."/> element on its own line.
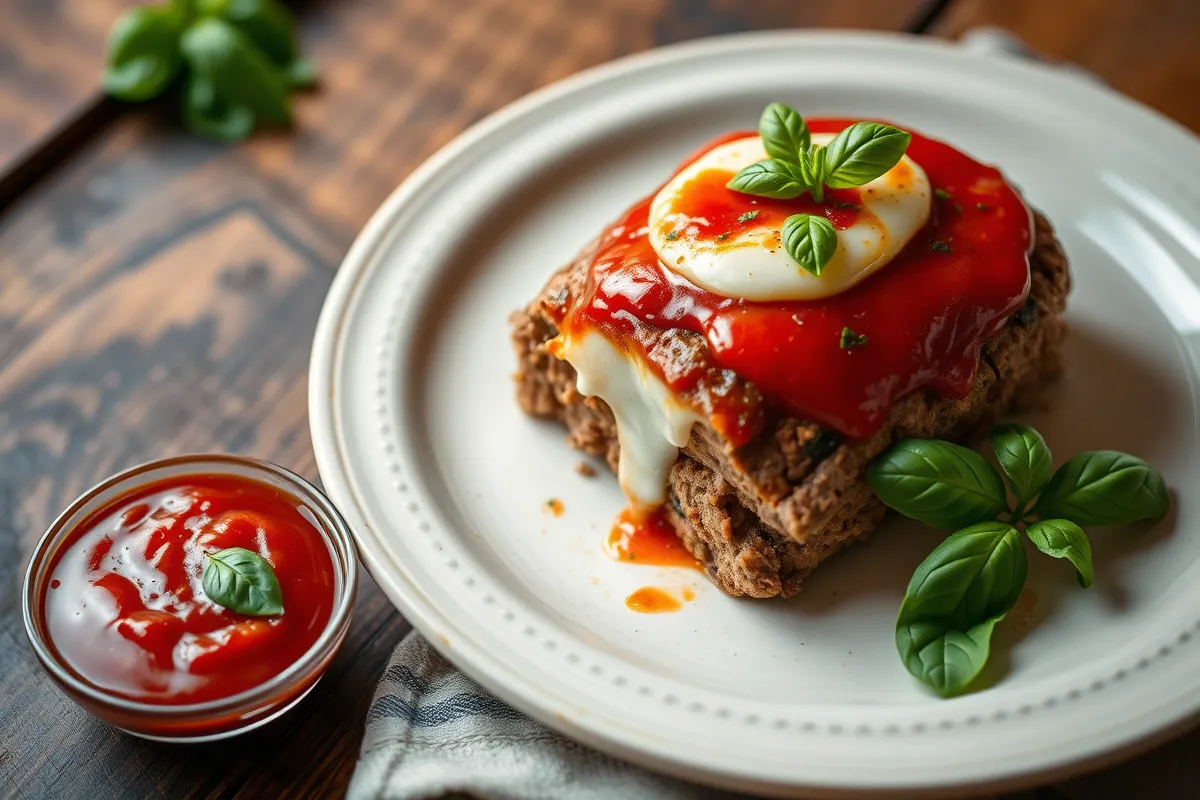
<point x="760" y="517"/>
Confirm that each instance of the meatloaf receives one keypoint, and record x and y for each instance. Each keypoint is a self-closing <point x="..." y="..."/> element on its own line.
<point x="761" y="516"/>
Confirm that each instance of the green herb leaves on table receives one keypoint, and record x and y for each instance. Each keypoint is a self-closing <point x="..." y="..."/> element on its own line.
<point x="858" y="155"/>
<point x="233" y="62"/>
<point x="143" y="53"/>
<point x="242" y="581"/>
<point x="973" y="578"/>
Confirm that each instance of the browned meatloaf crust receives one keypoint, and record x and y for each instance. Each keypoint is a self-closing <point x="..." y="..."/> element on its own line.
<point x="762" y="516"/>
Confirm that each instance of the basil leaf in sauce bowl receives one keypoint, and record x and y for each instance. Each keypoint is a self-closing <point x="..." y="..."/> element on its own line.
<point x="1062" y="538"/>
<point x="937" y="482"/>
<point x="242" y="581"/>
<point x="954" y="600"/>
<point x="1024" y="457"/>
<point x="1103" y="487"/>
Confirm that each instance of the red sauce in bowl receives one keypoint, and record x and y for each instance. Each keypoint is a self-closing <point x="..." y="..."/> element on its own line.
<point x="925" y="315"/>
<point x="125" y="610"/>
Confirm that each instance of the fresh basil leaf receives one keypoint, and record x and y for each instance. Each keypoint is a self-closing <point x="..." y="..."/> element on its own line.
<point x="1062" y="538"/>
<point x="1103" y="488"/>
<point x="768" y="178"/>
<point x="938" y="483"/>
<point x="813" y="169"/>
<point x="221" y="55"/>
<point x="804" y="171"/>
<point x="242" y="581"/>
<point x="784" y="133"/>
<point x="185" y="10"/>
<point x="863" y="152"/>
<point x="207" y="114"/>
<point x="1024" y="457"/>
<point x="143" y="53"/>
<point x="266" y="23"/>
<point x="954" y="600"/>
<point x="810" y="240"/>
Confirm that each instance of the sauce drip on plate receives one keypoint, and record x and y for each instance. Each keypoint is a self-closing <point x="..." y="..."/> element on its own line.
<point x="652" y="600"/>
<point x="647" y="539"/>
<point x="924" y="315"/>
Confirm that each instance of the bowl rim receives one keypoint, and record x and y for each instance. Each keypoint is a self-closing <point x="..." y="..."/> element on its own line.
<point x="330" y="524"/>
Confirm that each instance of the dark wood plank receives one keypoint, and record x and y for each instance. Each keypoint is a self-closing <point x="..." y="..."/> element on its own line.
<point x="51" y="57"/>
<point x="424" y="70"/>
<point x="1143" y="48"/>
<point x="158" y="295"/>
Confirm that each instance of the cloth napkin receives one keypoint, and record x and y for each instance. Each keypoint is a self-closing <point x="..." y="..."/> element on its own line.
<point x="432" y="730"/>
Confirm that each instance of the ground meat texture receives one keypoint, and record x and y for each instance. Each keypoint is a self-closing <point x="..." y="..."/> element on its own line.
<point x="761" y="516"/>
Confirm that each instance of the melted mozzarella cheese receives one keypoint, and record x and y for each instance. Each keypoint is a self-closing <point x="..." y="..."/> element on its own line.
<point x="651" y="423"/>
<point x="751" y="264"/>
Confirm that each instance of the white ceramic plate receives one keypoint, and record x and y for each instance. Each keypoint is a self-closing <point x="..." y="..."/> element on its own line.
<point x="444" y="481"/>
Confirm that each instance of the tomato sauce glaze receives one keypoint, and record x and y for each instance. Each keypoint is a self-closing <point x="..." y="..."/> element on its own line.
<point x="925" y="315"/>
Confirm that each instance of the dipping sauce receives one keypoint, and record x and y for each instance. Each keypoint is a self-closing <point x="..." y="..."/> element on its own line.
<point x="125" y="609"/>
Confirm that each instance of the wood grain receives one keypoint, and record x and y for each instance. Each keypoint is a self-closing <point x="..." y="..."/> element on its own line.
<point x="158" y="295"/>
<point x="1146" y="49"/>
<point x="51" y="56"/>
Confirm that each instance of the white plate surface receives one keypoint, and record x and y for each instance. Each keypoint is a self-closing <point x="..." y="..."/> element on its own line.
<point x="444" y="481"/>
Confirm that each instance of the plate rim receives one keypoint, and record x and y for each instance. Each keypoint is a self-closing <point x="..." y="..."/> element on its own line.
<point x="408" y="597"/>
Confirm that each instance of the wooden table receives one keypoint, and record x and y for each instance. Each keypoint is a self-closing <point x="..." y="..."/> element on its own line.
<point x="158" y="293"/>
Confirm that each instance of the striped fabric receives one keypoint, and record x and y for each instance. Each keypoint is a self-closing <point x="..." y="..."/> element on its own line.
<point x="431" y="731"/>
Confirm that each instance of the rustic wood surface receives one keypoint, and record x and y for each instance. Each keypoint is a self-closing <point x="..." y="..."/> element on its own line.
<point x="1147" y="49"/>
<point x="158" y="293"/>
<point x="49" y="52"/>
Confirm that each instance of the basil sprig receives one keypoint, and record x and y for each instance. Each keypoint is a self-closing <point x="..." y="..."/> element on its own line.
<point x="939" y="483"/>
<point x="971" y="580"/>
<point x="857" y="155"/>
<point x="1024" y="457"/>
<point x="1104" y="488"/>
<point x="242" y="581"/>
<point x="1062" y="538"/>
<point x="234" y="62"/>
<point x="954" y="600"/>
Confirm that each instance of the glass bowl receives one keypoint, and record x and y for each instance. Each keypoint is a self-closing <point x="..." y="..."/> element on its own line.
<point x="223" y="717"/>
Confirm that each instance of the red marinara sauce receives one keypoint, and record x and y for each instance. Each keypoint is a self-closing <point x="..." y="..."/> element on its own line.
<point x="925" y="314"/>
<point x="125" y="609"/>
<point x="648" y="538"/>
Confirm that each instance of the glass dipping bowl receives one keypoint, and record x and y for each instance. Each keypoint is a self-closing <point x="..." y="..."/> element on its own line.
<point x="223" y="717"/>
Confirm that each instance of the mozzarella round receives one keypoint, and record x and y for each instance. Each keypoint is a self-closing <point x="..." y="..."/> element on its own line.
<point x="750" y="262"/>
